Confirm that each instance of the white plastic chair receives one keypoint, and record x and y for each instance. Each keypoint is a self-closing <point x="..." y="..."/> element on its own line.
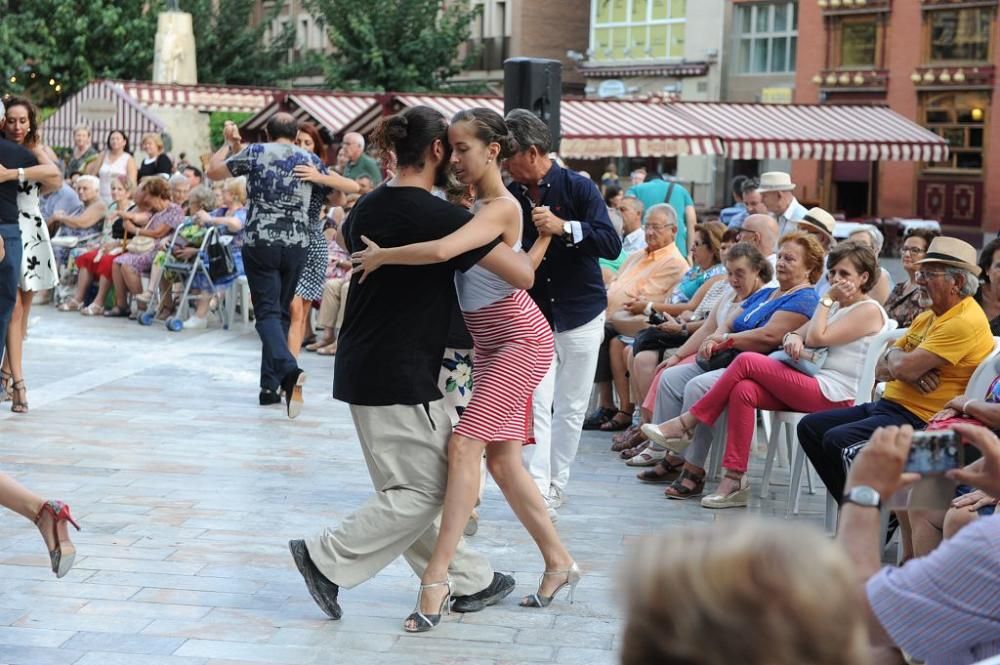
<point x="866" y="383"/>
<point x="241" y="287"/>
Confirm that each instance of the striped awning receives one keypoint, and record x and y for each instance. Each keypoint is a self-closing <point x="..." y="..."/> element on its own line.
<point x="331" y="111"/>
<point x="831" y="132"/>
<point x="204" y="98"/>
<point x="594" y="129"/>
<point x="103" y="107"/>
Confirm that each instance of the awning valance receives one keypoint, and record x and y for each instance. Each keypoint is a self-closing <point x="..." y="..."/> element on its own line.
<point x="832" y="132"/>
<point x="594" y="129"/>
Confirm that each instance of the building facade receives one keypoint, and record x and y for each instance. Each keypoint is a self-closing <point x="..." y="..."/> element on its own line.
<point x="938" y="72"/>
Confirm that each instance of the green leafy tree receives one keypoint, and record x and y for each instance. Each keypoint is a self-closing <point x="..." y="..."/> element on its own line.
<point x="71" y="44"/>
<point x="234" y="51"/>
<point x="402" y="45"/>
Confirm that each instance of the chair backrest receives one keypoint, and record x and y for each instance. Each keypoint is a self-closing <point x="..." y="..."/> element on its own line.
<point x="985" y="373"/>
<point x="866" y="383"/>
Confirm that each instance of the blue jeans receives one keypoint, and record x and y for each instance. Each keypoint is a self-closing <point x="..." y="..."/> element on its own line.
<point x="272" y="274"/>
<point x="10" y="277"/>
<point x="826" y="435"/>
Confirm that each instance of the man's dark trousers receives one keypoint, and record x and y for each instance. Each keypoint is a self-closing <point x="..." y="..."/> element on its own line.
<point x="10" y="277"/>
<point x="825" y="435"/>
<point x="272" y="274"/>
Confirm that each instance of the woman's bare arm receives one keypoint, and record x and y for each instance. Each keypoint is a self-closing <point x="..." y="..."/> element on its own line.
<point x="90" y="216"/>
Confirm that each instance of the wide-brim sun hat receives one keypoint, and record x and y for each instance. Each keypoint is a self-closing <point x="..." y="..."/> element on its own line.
<point x="952" y="252"/>
<point x="775" y="181"/>
<point x="820" y="220"/>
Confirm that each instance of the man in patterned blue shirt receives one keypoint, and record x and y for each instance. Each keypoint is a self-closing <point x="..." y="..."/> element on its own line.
<point x="280" y="208"/>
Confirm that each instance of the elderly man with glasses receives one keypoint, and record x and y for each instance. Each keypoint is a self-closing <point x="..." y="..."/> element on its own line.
<point x="924" y="369"/>
<point x="761" y="231"/>
<point x="647" y="277"/>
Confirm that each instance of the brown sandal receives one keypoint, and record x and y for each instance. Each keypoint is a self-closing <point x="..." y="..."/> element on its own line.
<point x="634" y="450"/>
<point x="662" y="472"/>
<point x="678" y="490"/>
<point x="616" y="425"/>
<point x="630" y="438"/>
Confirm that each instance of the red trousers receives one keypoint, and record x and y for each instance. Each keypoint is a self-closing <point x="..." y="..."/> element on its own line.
<point x="754" y="381"/>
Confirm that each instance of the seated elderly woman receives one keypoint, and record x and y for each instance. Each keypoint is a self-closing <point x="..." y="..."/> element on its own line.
<point x="707" y="271"/>
<point x="646" y="276"/>
<point x="843" y="325"/>
<point x="908" y="299"/>
<point x="180" y="189"/>
<point x="751" y="592"/>
<point x="229" y="220"/>
<point x="642" y="356"/>
<point x="96" y="258"/>
<point x="332" y="306"/>
<point x="68" y="229"/>
<point x="127" y="268"/>
<point x="871" y="237"/>
<point x="748" y="271"/>
<point x="760" y="325"/>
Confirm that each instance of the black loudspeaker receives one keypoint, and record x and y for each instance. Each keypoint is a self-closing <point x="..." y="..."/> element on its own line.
<point x="534" y="84"/>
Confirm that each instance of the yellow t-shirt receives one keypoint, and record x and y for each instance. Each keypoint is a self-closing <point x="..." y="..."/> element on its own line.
<point x="962" y="337"/>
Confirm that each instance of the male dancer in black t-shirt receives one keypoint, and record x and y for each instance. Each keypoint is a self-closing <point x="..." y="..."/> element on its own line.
<point x="388" y="360"/>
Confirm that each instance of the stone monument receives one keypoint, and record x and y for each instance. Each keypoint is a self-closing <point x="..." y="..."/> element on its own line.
<point x="174" y="56"/>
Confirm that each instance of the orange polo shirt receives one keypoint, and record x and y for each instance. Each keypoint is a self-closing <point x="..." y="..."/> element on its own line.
<point x="647" y="276"/>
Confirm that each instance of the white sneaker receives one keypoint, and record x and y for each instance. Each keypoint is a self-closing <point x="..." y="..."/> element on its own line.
<point x="196" y="323"/>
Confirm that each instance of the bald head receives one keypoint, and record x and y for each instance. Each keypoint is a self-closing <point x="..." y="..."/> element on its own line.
<point x="765" y="230"/>
<point x="282" y="125"/>
<point x="354" y="145"/>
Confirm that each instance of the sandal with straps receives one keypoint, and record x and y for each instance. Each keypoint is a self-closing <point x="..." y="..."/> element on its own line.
<point x="679" y="491"/>
<point x="573" y="576"/>
<point x="636" y="450"/>
<point x="616" y="425"/>
<point x="424" y="622"/>
<point x="630" y="438"/>
<point x="675" y="444"/>
<point x="663" y="472"/>
<point x="19" y="405"/>
<point x="63" y="552"/>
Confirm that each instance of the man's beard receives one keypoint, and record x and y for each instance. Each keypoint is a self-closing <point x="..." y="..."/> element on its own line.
<point x="441" y="175"/>
<point x="924" y="300"/>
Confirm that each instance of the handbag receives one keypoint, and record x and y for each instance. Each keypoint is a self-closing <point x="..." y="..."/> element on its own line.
<point x="719" y="360"/>
<point x="221" y="264"/>
<point x="810" y="361"/>
<point x="140" y="245"/>
<point x="652" y="339"/>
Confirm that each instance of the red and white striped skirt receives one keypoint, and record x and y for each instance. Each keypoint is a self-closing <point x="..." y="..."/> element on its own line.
<point x="514" y="350"/>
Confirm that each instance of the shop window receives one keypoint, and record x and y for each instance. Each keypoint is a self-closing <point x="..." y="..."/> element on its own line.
<point x="858" y="43"/>
<point x="959" y="35"/>
<point x="626" y="30"/>
<point x="767" y="37"/>
<point x="961" y="121"/>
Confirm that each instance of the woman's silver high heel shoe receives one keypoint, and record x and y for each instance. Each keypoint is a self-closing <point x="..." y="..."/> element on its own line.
<point x="572" y="575"/>
<point x="424" y="622"/>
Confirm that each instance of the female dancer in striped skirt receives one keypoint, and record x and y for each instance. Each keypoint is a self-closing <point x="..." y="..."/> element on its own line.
<point x="513" y="351"/>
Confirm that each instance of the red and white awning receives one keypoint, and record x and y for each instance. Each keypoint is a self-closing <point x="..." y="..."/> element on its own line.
<point x="103" y="107"/>
<point x="205" y="98"/>
<point x="831" y="132"/>
<point x="331" y="111"/>
<point x="593" y="129"/>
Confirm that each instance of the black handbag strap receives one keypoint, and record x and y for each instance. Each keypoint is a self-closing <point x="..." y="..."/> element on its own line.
<point x="670" y="190"/>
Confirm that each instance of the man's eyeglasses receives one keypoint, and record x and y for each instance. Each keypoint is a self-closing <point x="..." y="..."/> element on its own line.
<point x="741" y="233"/>
<point x="923" y="275"/>
<point x="660" y="227"/>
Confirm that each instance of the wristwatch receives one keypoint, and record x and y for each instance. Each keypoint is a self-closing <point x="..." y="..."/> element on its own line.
<point x="649" y="306"/>
<point x="863" y="495"/>
<point x="826" y="301"/>
<point x="568" y="231"/>
<point x="20" y="174"/>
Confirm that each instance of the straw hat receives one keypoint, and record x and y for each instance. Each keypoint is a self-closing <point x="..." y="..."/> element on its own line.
<point x="952" y="252"/>
<point x="775" y="181"/>
<point x="820" y="220"/>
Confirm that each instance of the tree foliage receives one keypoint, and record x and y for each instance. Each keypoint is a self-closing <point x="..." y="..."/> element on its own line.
<point x="401" y="45"/>
<point x="232" y="51"/>
<point x="72" y="44"/>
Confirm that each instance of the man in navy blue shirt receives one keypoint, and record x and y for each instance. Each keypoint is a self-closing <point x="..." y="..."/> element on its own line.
<point x="568" y="289"/>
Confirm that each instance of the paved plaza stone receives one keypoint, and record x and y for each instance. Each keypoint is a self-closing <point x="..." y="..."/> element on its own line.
<point x="188" y="492"/>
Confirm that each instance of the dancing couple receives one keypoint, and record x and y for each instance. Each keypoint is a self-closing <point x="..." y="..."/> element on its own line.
<point x="413" y="248"/>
